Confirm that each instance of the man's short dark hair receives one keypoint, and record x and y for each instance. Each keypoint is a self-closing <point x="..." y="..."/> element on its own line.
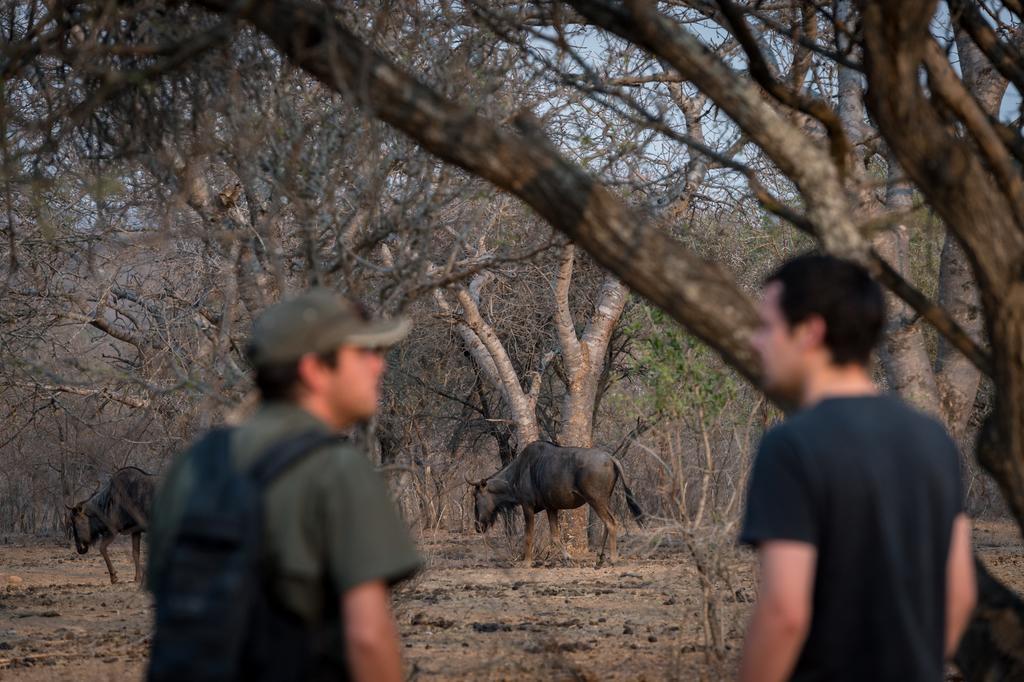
<point x="841" y="293"/>
<point x="279" y="381"/>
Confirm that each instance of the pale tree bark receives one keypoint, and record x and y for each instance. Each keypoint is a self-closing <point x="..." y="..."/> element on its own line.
<point x="584" y="357"/>
<point x="958" y="379"/>
<point x="474" y="346"/>
<point x="522" y="404"/>
<point x="584" y="362"/>
<point x="489" y="355"/>
<point x="904" y="351"/>
<point x="698" y="164"/>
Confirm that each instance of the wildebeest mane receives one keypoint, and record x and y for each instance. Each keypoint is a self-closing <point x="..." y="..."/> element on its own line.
<point x="517" y="464"/>
<point x="106" y="507"/>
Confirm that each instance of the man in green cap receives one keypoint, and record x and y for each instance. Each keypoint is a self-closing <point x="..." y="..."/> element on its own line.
<point x="332" y="541"/>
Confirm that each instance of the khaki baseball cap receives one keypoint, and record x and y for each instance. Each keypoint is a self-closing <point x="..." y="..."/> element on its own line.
<point x="318" y="321"/>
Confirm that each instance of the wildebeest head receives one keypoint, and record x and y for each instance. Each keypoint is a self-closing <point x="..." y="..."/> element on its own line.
<point x="79" y="526"/>
<point x="489" y="497"/>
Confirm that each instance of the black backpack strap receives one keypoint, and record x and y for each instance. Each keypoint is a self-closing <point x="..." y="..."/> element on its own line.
<point x="280" y="456"/>
<point x="216" y="442"/>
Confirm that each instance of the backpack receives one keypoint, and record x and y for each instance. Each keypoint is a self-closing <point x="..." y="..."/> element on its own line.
<point x="214" y="617"/>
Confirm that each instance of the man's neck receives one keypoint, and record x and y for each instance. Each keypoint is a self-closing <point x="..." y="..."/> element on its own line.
<point x="831" y="381"/>
<point x="320" y="410"/>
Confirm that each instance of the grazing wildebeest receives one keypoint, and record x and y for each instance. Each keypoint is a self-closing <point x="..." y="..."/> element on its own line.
<point x="120" y="507"/>
<point x="546" y="477"/>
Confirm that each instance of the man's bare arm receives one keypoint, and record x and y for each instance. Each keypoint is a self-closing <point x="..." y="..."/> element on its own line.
<point x="782" y="616"/>
<point x="371" y="637"/>
<point x="961" y="583"/>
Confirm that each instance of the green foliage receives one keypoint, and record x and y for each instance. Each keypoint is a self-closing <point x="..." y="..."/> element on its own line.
<point x="678" y="373"/>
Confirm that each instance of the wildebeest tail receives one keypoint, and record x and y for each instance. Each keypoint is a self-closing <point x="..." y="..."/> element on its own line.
<point x="634" y="506"/>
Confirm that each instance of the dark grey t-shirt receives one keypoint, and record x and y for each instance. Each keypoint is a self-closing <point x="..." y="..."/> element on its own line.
<point x="875" y="486"/>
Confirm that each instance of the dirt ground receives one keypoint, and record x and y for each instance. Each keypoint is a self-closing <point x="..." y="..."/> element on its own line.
<point x="470" y="615"/>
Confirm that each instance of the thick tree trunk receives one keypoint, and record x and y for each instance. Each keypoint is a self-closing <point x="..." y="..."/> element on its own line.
<point x="904" y="352"/>
<point x="958" y="379"/>
<point x="491" y="359"/>
<point x="518" y="401"/>
<point x="584" y="360"/>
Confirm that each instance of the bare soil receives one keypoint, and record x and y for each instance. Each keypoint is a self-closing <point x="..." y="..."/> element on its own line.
<point x="472" y="614"/>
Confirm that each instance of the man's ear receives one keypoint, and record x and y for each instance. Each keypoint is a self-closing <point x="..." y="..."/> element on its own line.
<point x="812" y="332"/>
<point x="310" y="371"/>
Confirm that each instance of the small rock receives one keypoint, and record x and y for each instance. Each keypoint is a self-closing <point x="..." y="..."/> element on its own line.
<point x="652" y="639"/>
<point x="626" y="630"/>
<point x="15" y="579"/>
<point x="669" y="602"/>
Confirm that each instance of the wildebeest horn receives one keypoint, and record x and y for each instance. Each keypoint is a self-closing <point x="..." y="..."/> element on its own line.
<point x="473" y="483"/>
<point x="68" y="507"/>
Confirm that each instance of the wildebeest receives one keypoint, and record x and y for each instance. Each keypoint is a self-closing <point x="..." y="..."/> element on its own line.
<point x="120" y="507"/>
<point x="546" y="477"/>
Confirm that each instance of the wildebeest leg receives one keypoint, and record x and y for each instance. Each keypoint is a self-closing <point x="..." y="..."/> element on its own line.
<point x="103" y="544"/>
<point x="528" y="536"/>
<point x="556" y="533"/>
<point x="137" y="554"/>
<point x="606" y="517"/>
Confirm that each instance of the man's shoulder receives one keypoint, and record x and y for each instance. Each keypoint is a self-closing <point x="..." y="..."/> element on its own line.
<point x="780" y="436"/>
<point x="337" y="456"/>
<point x="329" y="469"/>
<point x="857" y="410"/>
<point x="912" y="423"/>
<point x="780" y="446"/>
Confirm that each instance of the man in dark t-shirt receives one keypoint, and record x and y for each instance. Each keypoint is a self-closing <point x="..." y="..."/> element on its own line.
<point x="855" y="502"/>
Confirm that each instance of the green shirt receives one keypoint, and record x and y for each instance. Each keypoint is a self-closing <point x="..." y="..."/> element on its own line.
<point x="329" y="521"/>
